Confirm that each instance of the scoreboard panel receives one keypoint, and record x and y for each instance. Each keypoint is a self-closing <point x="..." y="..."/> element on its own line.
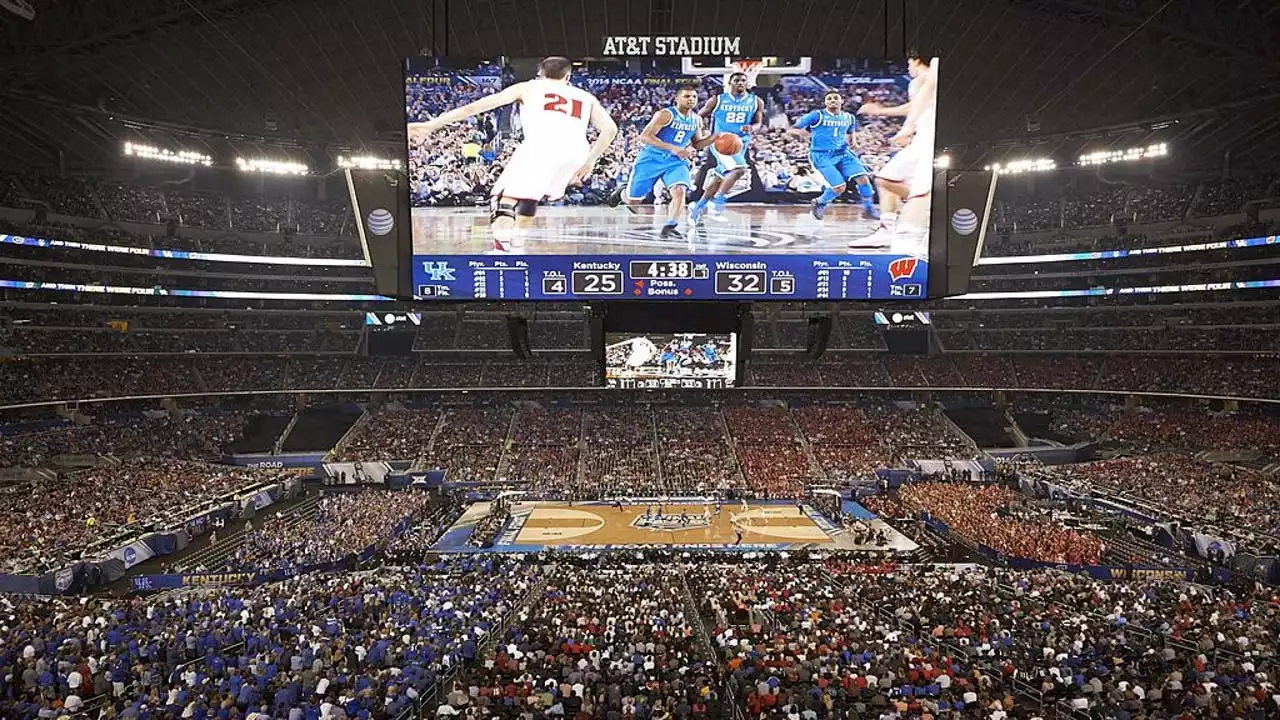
<point x="694" y="277"/>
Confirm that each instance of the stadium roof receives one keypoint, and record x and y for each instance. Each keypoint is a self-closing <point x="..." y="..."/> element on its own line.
<point x="84" y="75"/>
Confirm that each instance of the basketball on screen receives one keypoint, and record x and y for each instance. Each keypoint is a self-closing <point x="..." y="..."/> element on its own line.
<point x="728" y="144"/>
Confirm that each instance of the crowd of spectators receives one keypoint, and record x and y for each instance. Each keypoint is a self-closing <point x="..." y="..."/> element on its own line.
<point x="469" y="444"/>
<point x="620" y="456"/>
<point x="48" y="523"/>
<point x="650" y="450"/>
<point x="1180" y="427"/>
<point x="610" y="641"/>
<point x="1068" y="420"/>
<point x="798" y="645"/>
<point x="461" y="163"/>
<point x="1132" y="205"/>
<point x="613" y="638"/>
<point x="106" y="199"/>
<point x="1194" y="490"/>
<point x="391" y="433"/>
<point x="344" y="525"/>
<point x="1114" y="649"/>
<point x="367" y="645"/>
<point x="983" y="514"/>
<point x="191" y="436"/>
<point x="1239" y="375"/>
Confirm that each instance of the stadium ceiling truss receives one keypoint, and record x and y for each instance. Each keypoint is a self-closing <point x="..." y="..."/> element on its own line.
<point x="317" y="74"/>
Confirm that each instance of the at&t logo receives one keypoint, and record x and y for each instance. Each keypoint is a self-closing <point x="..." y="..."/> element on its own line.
<point x="381" y="222"/>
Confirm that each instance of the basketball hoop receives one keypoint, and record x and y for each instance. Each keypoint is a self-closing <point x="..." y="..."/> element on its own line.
<point x="751" y="68"/>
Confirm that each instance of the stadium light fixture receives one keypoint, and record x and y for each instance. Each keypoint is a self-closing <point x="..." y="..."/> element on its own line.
<point x="1018" y="167"/>
<point x="368" y="162"/>
<point x="1103" y="157"/>
<point x="158" y="154"/>
<point x="942" y="162"/>
<point x="267" y="166"/>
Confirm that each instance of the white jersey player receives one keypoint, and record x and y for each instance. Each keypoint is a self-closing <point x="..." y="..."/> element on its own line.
<point x="555" y="116"/>
<point x="908" y="176"/>
<point x="640" y="352"/>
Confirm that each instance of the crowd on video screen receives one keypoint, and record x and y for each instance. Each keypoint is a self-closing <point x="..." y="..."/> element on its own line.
<point x="458" y="165"/>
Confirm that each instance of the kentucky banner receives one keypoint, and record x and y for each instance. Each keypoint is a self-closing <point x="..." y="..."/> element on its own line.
<point x="152" y="583"/>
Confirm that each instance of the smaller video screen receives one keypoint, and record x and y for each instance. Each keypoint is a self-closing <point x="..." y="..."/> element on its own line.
<point x="699" y="361"/>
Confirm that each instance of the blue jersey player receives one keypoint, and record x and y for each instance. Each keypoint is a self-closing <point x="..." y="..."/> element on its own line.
<point x="738" y="112"/>
<point x="673" y="136"/>
<point x="710" y="354"/>
<point x="828" y="132"/>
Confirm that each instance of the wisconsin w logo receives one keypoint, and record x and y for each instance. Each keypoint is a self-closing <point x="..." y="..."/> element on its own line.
<point x="903" y="268"/>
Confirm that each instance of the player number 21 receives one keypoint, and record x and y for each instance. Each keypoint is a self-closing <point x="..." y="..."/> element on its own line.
<point x="556" y="103"/>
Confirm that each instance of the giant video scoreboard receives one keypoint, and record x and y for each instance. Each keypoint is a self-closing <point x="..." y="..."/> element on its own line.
<point x="767" y="242"/>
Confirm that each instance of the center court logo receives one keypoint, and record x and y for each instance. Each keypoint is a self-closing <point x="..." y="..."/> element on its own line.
<point x="903" y="268"/>
<point x="438" y="271"/>
<point x="381" y="222"/>
<point x="670" y="523"/>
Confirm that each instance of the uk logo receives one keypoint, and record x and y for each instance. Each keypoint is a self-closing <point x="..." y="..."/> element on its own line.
<point x="438" y="271"/>
<point x="903" y="268"/>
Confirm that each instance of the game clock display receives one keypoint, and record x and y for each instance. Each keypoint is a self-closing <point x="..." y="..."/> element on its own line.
<point x="670" y="178"/>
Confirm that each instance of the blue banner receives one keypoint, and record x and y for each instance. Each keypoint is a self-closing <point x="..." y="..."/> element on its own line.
<point x="153" y="583"/>
<point x="283" y="460"/>
<point x="592" y="82"/>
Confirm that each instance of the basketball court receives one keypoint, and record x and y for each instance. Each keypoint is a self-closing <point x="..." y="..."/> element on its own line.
<point x="594" y="230"/>
<point x="535" y="526"/>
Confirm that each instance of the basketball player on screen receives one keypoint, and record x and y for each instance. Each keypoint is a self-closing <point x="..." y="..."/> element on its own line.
<point x="673" y="136"/>
<point x="831" y="154"/>
<point x="555" y="116"/>
<point x="737" y="112"/>
<point x="908" y="176"/>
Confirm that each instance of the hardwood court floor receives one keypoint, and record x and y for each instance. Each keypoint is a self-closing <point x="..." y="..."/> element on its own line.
<point x="606" y="525"/>
<point x="748" y="229"/>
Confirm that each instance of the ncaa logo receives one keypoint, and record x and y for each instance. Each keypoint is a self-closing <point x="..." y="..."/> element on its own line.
<point x="130" y="556"/>
<point x="903" y="268"/>
<point x="964" y="221"/>
<point x="381" y="222"/>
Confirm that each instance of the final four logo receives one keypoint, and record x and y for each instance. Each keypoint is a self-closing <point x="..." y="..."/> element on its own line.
<point x="671" y="523"/>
